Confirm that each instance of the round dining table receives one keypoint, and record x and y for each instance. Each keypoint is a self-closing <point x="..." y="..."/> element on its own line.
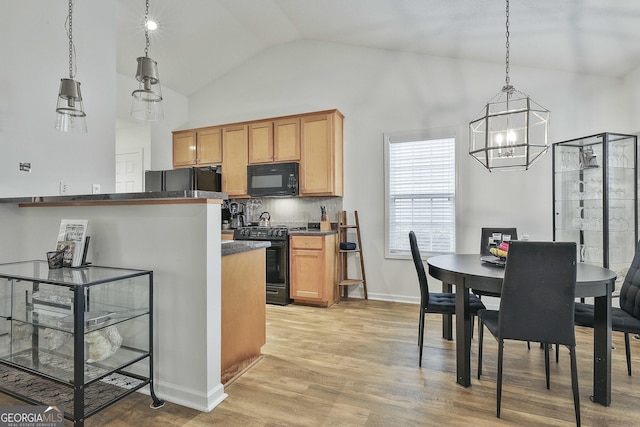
<point x="468" y="272"/>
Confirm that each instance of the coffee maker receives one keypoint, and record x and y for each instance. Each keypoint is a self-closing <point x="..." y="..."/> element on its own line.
<point x="237" y="215"/>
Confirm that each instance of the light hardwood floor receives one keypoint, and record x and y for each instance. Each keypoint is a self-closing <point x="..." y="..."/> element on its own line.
<point x="356" y="364"/>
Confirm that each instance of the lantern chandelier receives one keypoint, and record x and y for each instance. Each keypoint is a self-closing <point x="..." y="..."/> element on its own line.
<point x="147" y="99"/>
<point x="70" y="115"/>
<point x="510" y="133"/>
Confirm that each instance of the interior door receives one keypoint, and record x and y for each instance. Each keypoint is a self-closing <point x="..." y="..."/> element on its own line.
<point x="129" y="172"/>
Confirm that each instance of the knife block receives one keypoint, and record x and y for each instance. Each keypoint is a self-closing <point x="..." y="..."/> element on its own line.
<point x="325" y="225"/>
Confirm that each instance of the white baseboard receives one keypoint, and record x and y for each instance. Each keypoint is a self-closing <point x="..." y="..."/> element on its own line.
<point x="394" y="298"/>
<point x="189" y="398"/>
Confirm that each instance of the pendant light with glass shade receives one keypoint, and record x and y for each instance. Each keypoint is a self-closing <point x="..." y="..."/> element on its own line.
<point x="147" y="99"/>
<point x="70" y="115"/>
<point x="510" y="133"/>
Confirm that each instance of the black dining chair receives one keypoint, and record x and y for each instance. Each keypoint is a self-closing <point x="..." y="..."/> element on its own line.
<point x="625" y="319"/>
<point x="537" y="304"/>
<point x="432" y="302"/>
<point x="485" y="233"/>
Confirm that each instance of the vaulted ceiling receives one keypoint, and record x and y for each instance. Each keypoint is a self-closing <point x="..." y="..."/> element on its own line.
<point x="200" y="40"/>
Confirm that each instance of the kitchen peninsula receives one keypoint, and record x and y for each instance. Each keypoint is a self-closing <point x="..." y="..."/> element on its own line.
<point x="174" y="234"/>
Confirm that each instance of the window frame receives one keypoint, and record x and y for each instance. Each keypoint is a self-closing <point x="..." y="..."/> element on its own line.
<point x="407" y="136"/>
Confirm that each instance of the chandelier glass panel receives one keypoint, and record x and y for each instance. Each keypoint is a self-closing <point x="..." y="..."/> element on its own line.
<point x="511" y="131"/>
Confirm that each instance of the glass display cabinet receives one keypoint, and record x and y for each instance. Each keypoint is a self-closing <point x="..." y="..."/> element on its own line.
<point x="79" y="338"/>
<point x="595" y="198"/>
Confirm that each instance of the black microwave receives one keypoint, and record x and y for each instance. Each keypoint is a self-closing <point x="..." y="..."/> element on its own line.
<point x="276" y="179"/>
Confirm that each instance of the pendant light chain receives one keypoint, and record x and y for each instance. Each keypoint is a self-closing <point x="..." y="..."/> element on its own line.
<point x="70" y="34"/>
<point x="146" y="28"/>
<point x="70" y="115"/>
<point x="507" y="46"/>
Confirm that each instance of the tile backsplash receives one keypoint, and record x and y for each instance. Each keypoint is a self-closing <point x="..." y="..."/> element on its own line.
<point x="292" y="211"/>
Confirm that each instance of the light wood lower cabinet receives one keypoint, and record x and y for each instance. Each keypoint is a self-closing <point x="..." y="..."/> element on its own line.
<point x="243" y="314"/>
<point x="312" y="269"/>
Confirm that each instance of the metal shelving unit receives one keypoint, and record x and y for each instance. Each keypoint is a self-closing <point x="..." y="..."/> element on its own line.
<point x="80" y="338"/>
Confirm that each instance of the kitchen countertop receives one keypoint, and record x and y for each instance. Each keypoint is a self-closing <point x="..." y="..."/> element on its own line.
<point x="230" y="247"/>
<point x="312" y="232"/>
<point x="108" y="197"/>
<point x="307" y="232"/>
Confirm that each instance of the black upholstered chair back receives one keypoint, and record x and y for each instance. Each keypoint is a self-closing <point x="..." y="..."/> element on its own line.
<point x="539" y="290"/>
<point x="630" y="291"/>
<point x="422" y="275"/>
<point x="488" y="232"/>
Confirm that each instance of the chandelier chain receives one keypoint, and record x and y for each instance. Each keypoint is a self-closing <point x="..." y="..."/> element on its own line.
<point x="507" y="46"/>
<point x="146" y="28"/>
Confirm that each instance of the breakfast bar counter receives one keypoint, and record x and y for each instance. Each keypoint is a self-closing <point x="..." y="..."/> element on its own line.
<point x="177" y="235"/>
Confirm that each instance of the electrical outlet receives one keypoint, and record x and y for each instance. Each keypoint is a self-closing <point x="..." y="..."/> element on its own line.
<point x="96" y="189"/>
<point x="64" y="188"/>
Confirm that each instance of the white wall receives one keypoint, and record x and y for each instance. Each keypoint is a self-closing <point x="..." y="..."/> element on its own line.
<point x="632" y="89"/>
<point x="382" y="91"/>
<point x="378" y="91"/>
<point x="34" y="52"/>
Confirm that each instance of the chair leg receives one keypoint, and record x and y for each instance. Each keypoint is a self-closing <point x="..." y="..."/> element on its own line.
<point x="499" y="380"/>
<point x="557" y="353"/>
<point x="421" y="336"/>
<point x="574" y="384"/>
<point x="480" y="340"/>
<point x="627" y="349"/>
<point x="546" y="364"/>
<point x="421" y="323"/>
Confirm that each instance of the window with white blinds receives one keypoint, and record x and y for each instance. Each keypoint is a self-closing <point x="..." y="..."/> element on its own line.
<point x="421" y="194"/>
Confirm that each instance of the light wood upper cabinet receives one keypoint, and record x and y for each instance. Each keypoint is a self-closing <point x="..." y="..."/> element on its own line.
<point x="202" y="147"/>
<point x="312" y="269"/>
<point x="209" y="147"/>
<point x="184" y="148"/>
<point x="274" y="141"/>
<point x="286" y="140"/>
<point x="321" y="166"/>
<point x="312" y="139"/>
<point x="236" y="158"/>
<point x="261" y="142"/>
